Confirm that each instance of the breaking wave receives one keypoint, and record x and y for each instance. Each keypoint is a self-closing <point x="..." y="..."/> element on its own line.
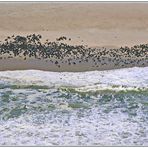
<point x="83" y="108"/>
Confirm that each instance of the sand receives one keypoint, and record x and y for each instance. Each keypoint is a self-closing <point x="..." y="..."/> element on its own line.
<point x="97" y="24"/>
<point x="92" y="24"/>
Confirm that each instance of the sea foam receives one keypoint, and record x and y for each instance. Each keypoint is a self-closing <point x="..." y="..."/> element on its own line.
<point x="74" y="109"/>
<point x="136" y="76"/>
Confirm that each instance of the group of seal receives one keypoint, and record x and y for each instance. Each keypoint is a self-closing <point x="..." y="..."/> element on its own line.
<point x="31" y="46"/>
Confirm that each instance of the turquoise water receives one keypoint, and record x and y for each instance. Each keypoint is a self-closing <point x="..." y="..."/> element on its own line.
<point x="105" y="108"/>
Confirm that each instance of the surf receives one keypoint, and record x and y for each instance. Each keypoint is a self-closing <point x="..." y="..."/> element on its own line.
<point x="82" y="106"/>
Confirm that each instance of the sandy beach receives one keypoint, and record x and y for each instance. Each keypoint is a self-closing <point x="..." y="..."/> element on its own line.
<point x="95" y="25"/>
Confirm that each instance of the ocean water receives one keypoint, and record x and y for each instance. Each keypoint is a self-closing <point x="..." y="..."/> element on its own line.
<point x="96" y="108"/>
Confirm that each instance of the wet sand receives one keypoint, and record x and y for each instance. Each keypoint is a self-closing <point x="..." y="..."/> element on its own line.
<point x="18" y="64"/>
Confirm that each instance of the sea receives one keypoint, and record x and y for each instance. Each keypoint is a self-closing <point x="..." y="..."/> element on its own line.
<point x="93" y="108"/>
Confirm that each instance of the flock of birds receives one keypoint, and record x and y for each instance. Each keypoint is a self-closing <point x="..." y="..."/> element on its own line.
<point x="58" y="52"/>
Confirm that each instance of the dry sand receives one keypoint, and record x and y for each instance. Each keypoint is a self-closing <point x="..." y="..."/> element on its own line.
<point x="92" y="24"/>
<point x="97" y="24"/>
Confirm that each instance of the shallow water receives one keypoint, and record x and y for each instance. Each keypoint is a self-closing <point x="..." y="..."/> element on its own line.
<point x="108" y="108"/>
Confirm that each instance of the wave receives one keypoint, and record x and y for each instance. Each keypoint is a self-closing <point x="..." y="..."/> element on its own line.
<point x="96" y="103"/>
<point x="119" y="79"/>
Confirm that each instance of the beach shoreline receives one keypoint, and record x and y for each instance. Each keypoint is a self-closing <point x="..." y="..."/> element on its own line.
<point x="12" y="65"/>
<point x="73" y="74"/>
<point x="24" y="53"/>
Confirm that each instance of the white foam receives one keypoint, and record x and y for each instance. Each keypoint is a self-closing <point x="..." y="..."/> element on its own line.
<point x="136" y="76"/>
<point x="94" y="127"/>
